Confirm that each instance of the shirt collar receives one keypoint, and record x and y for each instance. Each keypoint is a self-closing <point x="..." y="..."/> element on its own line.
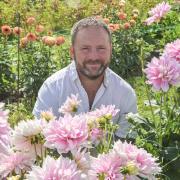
<point x="74" y="74"/>
<point x="73" y="71"/>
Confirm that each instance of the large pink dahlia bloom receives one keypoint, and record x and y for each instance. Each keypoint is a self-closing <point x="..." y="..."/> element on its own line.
<point x="66" y="133"/>
<point x="163" y="72"/>
<point x="145" y="165"/>
<point x="62" y="168"/>
<point x="173" y="50"/>
<point x="106" y="166"/>
<point x="14" y="162"/>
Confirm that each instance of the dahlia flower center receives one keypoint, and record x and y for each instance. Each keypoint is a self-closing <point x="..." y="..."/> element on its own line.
<point x="35" y="139"/>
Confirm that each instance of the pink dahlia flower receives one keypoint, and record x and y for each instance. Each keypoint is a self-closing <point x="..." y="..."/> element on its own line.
<point x="106" y="166"/>
<point x="108" y="110"/>
<point x="70" y="105"/>
<point x="96" y="135"/>
<point x="14" y="162"/>
<point x="158" y="12"/>
<point x="4" y="129"/>
<point x="173" y="50"/>
<point x="143" y="162"/>
<point x="48" y="115"/>
<point x="163" y="72"/>
<point x="4" y="148"/>
<point x="62" y="168"/>
<point x="82" y="159"/>
<point x="27" y="136"/>
<point x="66" y="133"/>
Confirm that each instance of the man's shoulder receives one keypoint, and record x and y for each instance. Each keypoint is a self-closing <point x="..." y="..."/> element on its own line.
<point x="119" y="83"/>
<point x="57" y="76"/>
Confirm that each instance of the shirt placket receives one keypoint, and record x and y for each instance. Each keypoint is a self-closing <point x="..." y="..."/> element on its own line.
<point x="98" y="96"/>
<point x="84" y="97"/>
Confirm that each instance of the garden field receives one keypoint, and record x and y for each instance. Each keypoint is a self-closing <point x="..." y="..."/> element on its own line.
<point x="35" y="37"/>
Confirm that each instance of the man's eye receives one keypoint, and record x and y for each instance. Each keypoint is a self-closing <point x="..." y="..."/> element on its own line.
<point x="101" y="48"/>
<point x="85" y="49"/>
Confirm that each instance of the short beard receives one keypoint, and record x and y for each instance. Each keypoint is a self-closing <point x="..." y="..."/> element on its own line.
<point x="85" y="73"/>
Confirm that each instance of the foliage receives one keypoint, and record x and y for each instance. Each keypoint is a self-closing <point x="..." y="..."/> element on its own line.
<point x="54" y="14"/>
<point x="159" y="132"/>
<point x="158" y="123"/>
<point x="19" y="112"/>
<point x="127" y="41"/>
<point x="7" y="74"/>
<point x="27" y="60"/>
<point x="38" y="63"/>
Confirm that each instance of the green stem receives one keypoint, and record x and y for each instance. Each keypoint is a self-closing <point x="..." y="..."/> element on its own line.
<point x="168" y="113"/>
<point x="141" y="57"/>
<point x="18" y="61"/>
<point x="49" y="56"/>
<point x="5" y="42"/>
<point x="104" y="141"/>
<point x="42" y="152"/>
<point x="110" y="135"/>
<point x="35" y="150"/>
<point x="160" y="121"/>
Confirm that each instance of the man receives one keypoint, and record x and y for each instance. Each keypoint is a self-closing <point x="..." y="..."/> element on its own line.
<point x="89" y="76"/>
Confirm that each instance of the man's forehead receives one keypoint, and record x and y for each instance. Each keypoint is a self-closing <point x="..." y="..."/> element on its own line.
<point x="91" y="28"/>
<point x="92" y="33"/>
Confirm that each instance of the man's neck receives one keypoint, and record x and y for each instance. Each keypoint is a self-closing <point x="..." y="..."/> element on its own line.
<point x="91" y="87"/>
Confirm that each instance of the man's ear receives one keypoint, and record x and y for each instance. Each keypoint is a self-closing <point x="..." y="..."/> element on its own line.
<point x="71" y="51"/>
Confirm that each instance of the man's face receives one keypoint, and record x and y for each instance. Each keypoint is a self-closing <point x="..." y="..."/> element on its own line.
<point x="92" y="52"/>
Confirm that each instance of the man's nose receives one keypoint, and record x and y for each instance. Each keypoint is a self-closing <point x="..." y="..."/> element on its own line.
<point x="93" y="54"/>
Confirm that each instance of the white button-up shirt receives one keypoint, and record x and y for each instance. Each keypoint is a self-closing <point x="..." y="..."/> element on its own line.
<point x="113" y="91"/>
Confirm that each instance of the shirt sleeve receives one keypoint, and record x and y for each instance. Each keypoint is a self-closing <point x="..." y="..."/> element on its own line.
<point x="130" y="105"/>
<point x="47" y="99"/>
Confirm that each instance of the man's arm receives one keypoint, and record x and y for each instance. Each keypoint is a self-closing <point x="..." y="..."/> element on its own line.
<point x="130" y="105"/>
<point x="47" y="99"/>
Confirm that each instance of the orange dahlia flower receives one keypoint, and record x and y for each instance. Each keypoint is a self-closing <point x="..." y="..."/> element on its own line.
<point x="17" y="31"/>
<point x="60" y="40"/>
<point x="48" y="40"/>
<point x="31" y="20"/>
<point x="39" y="28"/>
<point x="6" y="30"/>
<point x="31" y="37"/>
<point x="126" y="25"/>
